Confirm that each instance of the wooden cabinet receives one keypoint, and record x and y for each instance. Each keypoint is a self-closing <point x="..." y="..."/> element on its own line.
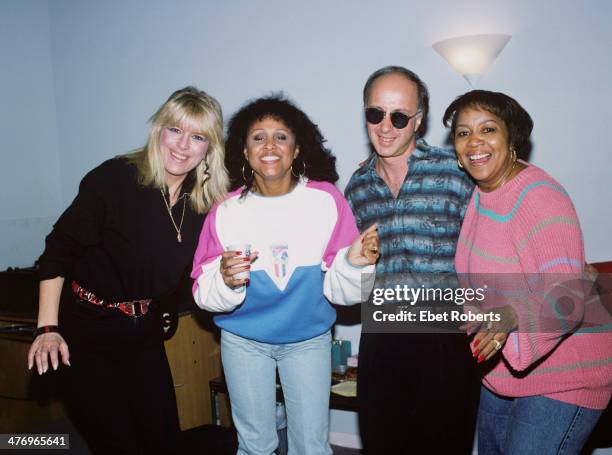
<point x="28" y="400"/>
<point x="194" y="357"/>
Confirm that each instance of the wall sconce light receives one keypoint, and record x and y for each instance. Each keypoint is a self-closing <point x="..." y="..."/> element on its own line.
<point x="472" y="55"/>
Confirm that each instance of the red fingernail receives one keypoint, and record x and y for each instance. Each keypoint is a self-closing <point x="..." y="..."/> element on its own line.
<point x="237" y="253"/>
<point x="480" y="358"/>
<point x="246" y="259"/>
<point x="247" y="267"/>
<point x="476" y="343"/>
<point x="247" y="281"/>
<point x="476" y="352"/>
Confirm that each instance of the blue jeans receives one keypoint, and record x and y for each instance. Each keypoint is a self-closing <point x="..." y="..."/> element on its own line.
<point x="305" y="373"/>
<point x="532" y="425"/>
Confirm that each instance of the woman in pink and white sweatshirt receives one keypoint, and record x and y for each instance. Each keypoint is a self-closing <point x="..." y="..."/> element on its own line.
<point x="271" y="258"/>
<point x="547" y="358"/>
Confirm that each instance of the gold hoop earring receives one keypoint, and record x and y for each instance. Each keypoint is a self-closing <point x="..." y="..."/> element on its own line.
<point x="459" y="164"/>
<point x="246" y="182"/>
<point x="513" y="154"/>
<point x="301" y="176"/>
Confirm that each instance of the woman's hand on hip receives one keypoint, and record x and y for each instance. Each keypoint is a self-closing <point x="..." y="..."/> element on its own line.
<point x="492" y="335"/>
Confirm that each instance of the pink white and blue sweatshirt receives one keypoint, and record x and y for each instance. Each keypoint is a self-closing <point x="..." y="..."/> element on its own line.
<point x="302" y="238"/>
<point x="529" y="228"/>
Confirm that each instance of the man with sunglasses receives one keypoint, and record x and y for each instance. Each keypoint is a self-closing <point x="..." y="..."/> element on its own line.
<point x="417" y="392"/>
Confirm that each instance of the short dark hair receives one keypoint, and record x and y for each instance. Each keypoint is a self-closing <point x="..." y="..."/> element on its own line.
<point x="317" y="161"/>
<point x="422" y="92"/>
<point x="518" y="122"/>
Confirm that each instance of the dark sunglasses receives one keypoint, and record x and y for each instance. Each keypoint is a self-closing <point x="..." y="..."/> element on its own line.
<point x="399" y="120"/>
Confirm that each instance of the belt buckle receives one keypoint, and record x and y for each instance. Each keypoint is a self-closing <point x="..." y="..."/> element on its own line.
<point x="132" y="309"/>
<point x="136" y="309"/>
<point x="126" y="308"/>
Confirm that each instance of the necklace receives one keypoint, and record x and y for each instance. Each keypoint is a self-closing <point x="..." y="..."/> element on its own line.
<point x="178" y="228"/>
<point x="505" y="178"/>
<point x="502" y="181"/>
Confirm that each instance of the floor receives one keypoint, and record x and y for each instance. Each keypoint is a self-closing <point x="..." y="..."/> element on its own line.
<point x="216" y="440"/>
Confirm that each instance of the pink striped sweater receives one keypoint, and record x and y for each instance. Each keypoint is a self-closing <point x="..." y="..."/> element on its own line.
<point x="528" y="228"/>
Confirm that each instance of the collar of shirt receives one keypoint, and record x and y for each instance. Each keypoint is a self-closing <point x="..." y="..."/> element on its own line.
<point x="422" y="152"/>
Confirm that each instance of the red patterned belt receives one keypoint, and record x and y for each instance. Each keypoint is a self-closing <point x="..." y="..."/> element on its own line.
<point x="134" y="308"/>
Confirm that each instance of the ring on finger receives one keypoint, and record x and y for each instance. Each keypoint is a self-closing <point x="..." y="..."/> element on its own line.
<point x="496" y="344"/>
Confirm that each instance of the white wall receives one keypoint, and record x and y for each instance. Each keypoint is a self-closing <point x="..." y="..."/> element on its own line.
<point x="84" y="76"/>
<point x="104" y="67"/>
<point x="30" y="197"/>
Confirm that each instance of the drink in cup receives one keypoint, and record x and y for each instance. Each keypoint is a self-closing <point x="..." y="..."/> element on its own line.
<point x="245" y="252"/>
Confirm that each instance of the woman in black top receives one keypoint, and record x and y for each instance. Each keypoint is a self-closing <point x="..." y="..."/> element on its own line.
<point x="124" y="244"/>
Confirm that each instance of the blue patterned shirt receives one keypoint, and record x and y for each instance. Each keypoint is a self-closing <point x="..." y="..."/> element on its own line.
<point x="418" y="231"/>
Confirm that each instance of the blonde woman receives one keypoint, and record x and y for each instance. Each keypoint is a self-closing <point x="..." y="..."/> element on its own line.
<point x="121" y="247"/>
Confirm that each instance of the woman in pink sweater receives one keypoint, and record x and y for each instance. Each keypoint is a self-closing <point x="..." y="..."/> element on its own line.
<point x="547" y="352"/>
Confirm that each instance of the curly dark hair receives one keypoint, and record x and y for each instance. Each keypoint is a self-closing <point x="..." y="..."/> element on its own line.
<point x="317" y="161"/>
<point x="518" y="122"/>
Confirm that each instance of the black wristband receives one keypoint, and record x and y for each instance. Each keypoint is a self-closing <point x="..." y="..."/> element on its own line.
<point x="45" y="329"/>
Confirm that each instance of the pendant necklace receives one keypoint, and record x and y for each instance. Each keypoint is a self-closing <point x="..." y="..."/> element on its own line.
<point x="176" y="228"/>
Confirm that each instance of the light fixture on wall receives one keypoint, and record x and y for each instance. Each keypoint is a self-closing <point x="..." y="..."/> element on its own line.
<point x="472" y="55"/>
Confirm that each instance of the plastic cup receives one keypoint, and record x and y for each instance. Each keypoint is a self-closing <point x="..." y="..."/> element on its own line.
<point x="245" y="252"/>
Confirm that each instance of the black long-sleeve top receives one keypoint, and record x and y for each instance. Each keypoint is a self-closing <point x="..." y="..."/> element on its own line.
<point x="116" y="239"/>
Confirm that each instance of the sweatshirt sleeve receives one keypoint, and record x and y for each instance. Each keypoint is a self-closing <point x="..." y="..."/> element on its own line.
<point x="346" y="284"/>
<point x="209" y="290"/>
<point x="343" y="282"/>
<point x="550" y="249"/>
